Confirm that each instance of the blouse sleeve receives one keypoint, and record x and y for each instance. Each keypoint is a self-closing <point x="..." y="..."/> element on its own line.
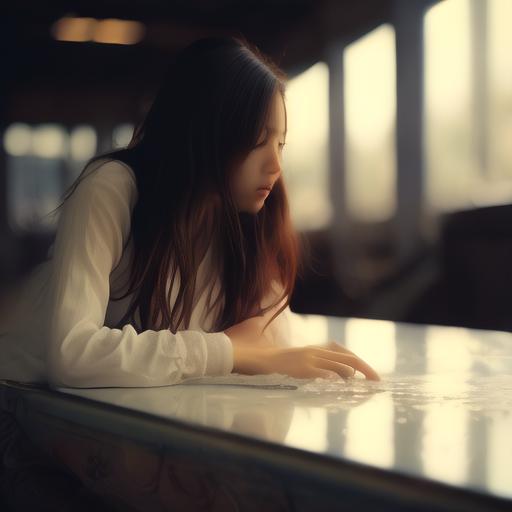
<point x="82" y="352"/>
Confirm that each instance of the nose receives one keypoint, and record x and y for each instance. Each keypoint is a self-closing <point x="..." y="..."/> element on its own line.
<point x="275" y="162"/>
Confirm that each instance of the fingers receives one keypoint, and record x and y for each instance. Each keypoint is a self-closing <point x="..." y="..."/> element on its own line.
<point x="341" y="369"/>
<point x="341" y="348"/>
<point x="325" y="374"/>
<point x="348" y="358"/>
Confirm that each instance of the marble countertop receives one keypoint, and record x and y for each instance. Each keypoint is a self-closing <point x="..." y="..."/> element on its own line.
<point x="442" y="411"/>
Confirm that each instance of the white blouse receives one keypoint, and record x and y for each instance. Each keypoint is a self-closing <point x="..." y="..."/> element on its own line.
<point x="57" y="326"/>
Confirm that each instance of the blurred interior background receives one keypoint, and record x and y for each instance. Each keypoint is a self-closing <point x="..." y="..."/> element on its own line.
<point x="398" y="160"/>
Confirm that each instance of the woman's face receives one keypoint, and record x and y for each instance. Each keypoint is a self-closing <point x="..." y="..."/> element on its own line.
<point x="262" y="166"/>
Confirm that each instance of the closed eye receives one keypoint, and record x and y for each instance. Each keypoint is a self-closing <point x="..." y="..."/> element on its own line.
<point x="281" y="144"/>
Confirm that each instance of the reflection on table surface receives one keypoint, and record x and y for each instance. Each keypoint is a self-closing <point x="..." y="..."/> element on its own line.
<point x="442" y="411"/>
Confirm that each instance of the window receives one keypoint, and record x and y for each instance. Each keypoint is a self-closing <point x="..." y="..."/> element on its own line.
<point x="468" y="104"/>
<point x="122" y="135"/>
<point x="35" y="173"/>
<point x="83" y="146"/>
<point x="499" y="16"/>
<point x="369" y="70"/>
<point x="305" y="156"/>
<point x="450" y="165"/>
<point x="42" y="162"/>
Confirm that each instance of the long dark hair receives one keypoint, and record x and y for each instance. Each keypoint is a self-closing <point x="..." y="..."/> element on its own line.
<point x="205" y="118"/>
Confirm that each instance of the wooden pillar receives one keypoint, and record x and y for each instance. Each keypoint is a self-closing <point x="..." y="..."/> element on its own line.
<point x="407" y="19"/>
<point x="340" y="226"/>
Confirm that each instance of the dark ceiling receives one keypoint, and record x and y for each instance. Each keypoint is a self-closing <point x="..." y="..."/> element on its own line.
<point x="44" y="77"/>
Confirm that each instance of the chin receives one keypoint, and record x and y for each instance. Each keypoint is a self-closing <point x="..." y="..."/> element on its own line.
<point x="258" y="207"/>
<point x="253" y="209"/>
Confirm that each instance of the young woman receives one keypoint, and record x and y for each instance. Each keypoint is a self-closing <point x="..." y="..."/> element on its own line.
<point x="175" y="257"/>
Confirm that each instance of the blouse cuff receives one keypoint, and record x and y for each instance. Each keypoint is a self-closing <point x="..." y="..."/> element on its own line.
<point x="220" y="354"/>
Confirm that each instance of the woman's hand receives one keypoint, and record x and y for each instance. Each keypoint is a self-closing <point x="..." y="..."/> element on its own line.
<point x="335" y="346"/>
<point x="253" y="354"/>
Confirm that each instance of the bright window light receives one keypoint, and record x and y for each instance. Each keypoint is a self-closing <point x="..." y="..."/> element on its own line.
<point x="305" y="156"/>
<point x="18" y="139"/>
<point x="500" y="88"/>
<point x="122" y="135"/>
<point x="370" y="125"/>
<point x="83" y="142"/>
<point x="50" y="141"/>
<point x="451" y="170"/>
<point x="374" y="341"/>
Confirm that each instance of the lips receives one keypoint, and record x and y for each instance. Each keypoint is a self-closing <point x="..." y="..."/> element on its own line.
<point x="267" y="187"/>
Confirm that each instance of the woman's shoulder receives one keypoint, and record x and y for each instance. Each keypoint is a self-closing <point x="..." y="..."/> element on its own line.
<point x="110" y="168"/>
<point x="109" y="178"/>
